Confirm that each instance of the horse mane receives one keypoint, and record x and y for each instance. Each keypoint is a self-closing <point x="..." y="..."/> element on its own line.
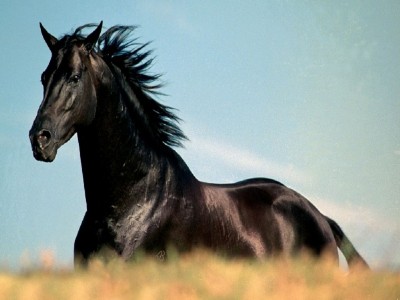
<point x="133" y="60"/>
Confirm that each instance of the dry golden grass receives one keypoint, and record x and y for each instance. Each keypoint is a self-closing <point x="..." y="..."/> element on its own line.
<point x="202" y="276"/>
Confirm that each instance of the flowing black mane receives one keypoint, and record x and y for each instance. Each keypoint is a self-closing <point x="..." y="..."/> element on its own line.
<point x="117" y="47"/>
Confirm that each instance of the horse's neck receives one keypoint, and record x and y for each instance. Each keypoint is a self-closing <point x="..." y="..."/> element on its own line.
<point x="119" y="168"/>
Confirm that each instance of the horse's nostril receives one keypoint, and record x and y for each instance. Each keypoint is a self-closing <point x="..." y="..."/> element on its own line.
<point x="43" y="138"/>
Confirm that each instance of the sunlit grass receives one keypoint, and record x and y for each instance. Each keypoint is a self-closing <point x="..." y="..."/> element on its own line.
<point x="201" y="275"/>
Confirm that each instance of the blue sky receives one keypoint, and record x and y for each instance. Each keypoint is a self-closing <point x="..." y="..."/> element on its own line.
<point x="300" y="91"/>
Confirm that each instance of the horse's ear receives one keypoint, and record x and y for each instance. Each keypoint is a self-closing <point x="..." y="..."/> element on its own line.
<point x="48" y="38"/>
<point x="92" y="38"/>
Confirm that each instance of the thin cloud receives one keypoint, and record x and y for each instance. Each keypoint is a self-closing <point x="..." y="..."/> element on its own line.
<point x="245" y="160"/>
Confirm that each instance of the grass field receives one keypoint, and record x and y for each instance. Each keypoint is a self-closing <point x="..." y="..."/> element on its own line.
<point x="201" y="276"/>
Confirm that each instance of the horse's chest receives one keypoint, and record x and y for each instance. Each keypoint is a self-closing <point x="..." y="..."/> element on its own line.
<point x="134" y="230"/>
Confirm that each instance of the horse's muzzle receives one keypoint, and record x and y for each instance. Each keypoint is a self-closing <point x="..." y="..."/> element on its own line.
<point x="43" y="146"/>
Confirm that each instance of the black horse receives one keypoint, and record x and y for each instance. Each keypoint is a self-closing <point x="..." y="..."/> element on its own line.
<point x="140" y="194"/>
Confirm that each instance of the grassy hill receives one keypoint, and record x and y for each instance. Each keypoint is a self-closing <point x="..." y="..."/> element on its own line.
<point x="201" y="275"/>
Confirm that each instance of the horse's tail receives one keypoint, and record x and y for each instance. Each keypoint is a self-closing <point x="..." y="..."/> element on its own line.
<point x="352" y="256"/>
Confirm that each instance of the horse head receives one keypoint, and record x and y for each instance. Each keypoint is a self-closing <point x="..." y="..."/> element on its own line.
<point x="69" y="100"/>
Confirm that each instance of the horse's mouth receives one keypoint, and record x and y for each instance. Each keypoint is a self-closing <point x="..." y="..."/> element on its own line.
<point x="46" y="155"/>
<point x="45" y="143"/>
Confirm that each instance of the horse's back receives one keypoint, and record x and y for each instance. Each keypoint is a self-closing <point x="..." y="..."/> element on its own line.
<point x="251" y="192"/>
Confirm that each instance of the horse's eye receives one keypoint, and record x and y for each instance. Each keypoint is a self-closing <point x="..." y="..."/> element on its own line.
<point x="75" y="78"/>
